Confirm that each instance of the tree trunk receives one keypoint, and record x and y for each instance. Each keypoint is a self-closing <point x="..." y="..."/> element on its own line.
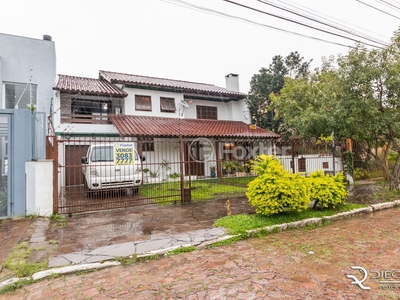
<point x="394" y="177"/>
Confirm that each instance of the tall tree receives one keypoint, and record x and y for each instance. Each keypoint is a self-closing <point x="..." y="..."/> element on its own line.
<point x="271" y="80"/>
<point x="359" y="99"/>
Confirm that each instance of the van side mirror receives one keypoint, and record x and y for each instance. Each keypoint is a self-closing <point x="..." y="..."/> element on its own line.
<point x="84" y="160"/>
<point x="142" y="157"/>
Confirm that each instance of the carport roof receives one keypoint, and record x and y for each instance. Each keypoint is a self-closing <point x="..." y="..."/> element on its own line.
<point x="142" y="126"/>
<point x="88" y="86"/>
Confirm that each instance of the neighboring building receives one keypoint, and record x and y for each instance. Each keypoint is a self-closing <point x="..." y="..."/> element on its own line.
<point x="27" y="72"/>
<point x="27" y="78"/>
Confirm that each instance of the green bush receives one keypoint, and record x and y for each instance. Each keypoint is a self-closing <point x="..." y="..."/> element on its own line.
<point x="268" y="164"/>
<point x="360" y="173"/>
<point x="275" y="190"/>
<point x="327" y="191"/>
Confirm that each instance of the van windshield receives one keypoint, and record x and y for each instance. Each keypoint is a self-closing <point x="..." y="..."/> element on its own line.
<point x="105" y="153"/>
<point x="102" y="153"/>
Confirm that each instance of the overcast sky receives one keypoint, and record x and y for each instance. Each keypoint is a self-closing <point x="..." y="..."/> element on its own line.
<point x="161" y="39"/>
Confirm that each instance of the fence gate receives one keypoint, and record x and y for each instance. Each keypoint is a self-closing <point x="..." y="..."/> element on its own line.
<point x="103" y="183"/>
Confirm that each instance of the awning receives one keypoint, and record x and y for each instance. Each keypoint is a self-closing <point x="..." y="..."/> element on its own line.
<point x="142" y="126"/>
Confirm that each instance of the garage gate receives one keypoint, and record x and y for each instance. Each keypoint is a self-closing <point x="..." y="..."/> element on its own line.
<point x="73" y="195"/>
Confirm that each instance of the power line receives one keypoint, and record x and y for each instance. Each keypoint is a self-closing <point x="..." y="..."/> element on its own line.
<point x="299" y="23"/>
<point x="241" y="19"/>
<point x="322" y="16"/>
<point x="391" y="5"/>
<point x="323" y="23"/>
<point x="245" y="20"/>
<point x="369" y="5"/>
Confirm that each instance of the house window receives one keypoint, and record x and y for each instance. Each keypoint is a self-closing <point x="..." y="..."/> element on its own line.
<point x="87" y="107"/>
<point x="20" y="96"/>
<point x="167" y="104"/>
<point x="147" y="144"/>
<point x="143" y="103"/>
<point x="206" y="112"/>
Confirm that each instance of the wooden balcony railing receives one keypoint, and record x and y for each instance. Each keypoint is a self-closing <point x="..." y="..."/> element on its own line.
<point x="85" y="119"/>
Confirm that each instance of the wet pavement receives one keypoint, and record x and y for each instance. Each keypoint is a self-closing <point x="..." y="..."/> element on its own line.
<point x="97" y="236"/>
<point x="295" y="264"/>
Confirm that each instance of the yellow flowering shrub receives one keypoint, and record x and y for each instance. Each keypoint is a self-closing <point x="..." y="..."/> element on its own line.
<point x="327" y="191"/>
<point x="274" y="190"/>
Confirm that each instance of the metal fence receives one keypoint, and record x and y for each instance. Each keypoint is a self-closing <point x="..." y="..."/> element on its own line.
<point x="105" y="173"/>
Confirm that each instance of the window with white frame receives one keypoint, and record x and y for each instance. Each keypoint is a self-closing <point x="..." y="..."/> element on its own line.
<point x="20" y="95"/>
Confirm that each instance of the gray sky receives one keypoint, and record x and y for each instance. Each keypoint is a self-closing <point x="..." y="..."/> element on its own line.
<point x="160" y="39"/>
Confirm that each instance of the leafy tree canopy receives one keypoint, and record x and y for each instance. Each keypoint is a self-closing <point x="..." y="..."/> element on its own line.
<point x="271" y="80"/>
<point x="356" y="95"/>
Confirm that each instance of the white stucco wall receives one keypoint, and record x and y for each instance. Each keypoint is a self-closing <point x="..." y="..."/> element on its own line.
<point x="155" y="103"/>
<point x="39" y="187"/>
<point x="19" y="56"/>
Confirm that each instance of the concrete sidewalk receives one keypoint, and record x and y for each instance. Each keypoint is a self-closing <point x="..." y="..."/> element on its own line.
<point x="104" y="235"/>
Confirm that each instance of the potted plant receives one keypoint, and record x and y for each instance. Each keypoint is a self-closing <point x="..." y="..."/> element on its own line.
<point x="174" y="176"/>
<point x="154" y="176"/>
<point x="240" y="170"/>
<point x="165" y="168"/>
<point x="146" y="173"/>
<point x="230" y="166"/>
<point x="212" y="171"/>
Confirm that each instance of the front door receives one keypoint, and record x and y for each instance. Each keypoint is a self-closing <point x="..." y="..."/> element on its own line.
<point x="194" y="158"/>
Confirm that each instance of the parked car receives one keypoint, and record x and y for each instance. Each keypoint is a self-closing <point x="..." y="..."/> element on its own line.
<point x="111" y="166"/>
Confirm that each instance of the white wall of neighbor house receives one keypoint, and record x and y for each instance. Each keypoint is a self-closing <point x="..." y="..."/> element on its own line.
<point x="27" y="60"/>
<point x="39" y="187"/>
<point x="314" y="162"/>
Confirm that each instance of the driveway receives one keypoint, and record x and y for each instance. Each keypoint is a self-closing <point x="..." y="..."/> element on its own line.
<point x="295" y="264"/>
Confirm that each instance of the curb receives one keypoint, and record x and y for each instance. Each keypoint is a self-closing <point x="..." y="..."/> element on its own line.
<point x="275" y="228"/>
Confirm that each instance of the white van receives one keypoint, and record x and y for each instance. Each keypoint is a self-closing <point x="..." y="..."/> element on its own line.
<point x="111" y="166"/>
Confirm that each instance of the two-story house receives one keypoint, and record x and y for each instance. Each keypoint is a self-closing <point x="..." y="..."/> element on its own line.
<point x="155" y="110"/>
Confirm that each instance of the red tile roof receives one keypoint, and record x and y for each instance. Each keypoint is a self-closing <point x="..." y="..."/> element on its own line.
<point x="170" y="127"/>
<point x="184" y="86"/>
<point x="87" y="86"/>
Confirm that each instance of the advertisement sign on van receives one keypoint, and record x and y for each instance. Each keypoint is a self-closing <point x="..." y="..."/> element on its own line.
<point x="124" y="154"/>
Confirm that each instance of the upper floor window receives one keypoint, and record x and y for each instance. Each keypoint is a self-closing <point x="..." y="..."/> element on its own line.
<point x="88" y="107"/>
<point x="167" y="104"/>
<point x="143" y="103"/>
<point x="207" y="112"/>
<point x="20" y="96"/>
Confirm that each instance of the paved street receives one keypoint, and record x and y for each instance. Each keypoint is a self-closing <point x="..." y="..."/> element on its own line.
<point x="296" y="264"/>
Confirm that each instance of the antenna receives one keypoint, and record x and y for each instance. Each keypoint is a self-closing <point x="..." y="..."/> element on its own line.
<point x="184" y="103"/>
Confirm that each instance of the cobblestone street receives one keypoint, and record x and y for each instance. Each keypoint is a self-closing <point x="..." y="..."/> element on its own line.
<point x="296" y="264"/>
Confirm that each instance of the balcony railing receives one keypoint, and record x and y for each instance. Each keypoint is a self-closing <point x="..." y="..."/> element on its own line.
<point x="85" y="119"/>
